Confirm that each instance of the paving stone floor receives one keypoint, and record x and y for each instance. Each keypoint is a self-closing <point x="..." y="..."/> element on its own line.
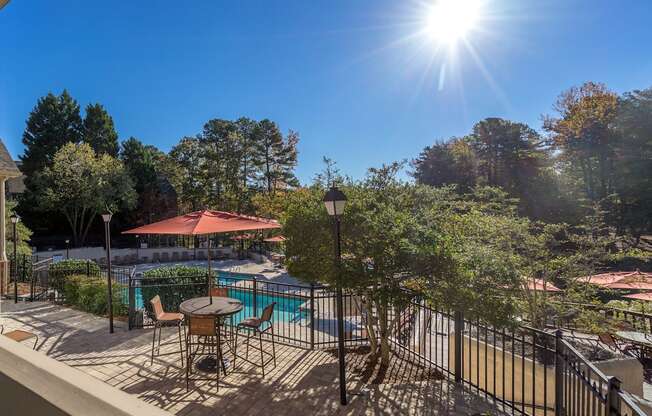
<point x="303" y="382"/>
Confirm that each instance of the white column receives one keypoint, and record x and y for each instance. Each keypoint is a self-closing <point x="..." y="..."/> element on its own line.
<point x="3" y="232"/>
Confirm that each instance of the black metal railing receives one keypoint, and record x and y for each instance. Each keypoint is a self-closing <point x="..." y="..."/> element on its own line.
<point x="521" y="370"/>
<point x="304" y="315"/>
<point x="638" y="321"/>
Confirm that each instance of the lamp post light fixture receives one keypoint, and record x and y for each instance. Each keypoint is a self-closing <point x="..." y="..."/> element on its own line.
<point x="335" y="201"/>
<point x="107" y="237"/>
<point x="67" y="249"/>
<point x="14" y="221"/>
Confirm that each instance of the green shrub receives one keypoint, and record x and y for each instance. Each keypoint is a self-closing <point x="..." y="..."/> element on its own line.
<point x="89" y="295"/>
<point x="58" y="272"/>
<point x="174" y="285"/>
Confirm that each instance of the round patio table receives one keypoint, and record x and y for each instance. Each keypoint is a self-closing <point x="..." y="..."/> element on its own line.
<point x="219" y="309"/>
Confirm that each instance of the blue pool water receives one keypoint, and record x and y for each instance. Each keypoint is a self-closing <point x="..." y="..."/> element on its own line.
<point x="287" y="309"/>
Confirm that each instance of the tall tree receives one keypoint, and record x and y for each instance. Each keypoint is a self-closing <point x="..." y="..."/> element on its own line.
<point x="99" y="131"/>
<point x="633" y="166"/>
<point x="155" y="198"/>
<point x="81" y="185"/>
<point x="189" y="174"/>
<point x="276" y="156"/>
<point x="583" y="133"/>
<point x="447" y="163"/>
<point x="54" y="121"/>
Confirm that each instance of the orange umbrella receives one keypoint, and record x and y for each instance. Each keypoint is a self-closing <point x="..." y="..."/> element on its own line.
<point x="276" y="239"/>
<point x="640" y="296"/>
<point x="636" y="280"/>
<point x="206" y="222"/>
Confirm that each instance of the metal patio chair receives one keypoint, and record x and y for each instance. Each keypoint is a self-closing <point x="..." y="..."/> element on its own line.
<point x="164" y="319"/>
<point x="202" y="333"/>
<point x="228" y="334"/>
<point x="257" y="326"/>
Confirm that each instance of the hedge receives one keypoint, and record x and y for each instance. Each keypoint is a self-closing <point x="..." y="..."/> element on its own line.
<point x="89" y="295"/>
<point x="58" y="272"/>
<point x="174" y="285"/>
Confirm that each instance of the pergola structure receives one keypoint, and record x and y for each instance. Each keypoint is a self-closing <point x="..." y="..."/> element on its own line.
<point x="8" y="169"/>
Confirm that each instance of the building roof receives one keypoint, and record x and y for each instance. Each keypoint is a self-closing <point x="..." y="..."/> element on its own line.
<point x="8" y="167"/>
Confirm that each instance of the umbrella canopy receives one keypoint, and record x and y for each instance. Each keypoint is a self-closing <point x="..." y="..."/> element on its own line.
<point x="206" y="222"/>
<point x="640" y="296"/>
<point x="276" y="239"/>
<point x="539" y="285"/>
<point x="636" y="280"/>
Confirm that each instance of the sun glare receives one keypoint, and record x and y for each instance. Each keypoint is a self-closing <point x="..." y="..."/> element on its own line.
<point x="450" y="21"/>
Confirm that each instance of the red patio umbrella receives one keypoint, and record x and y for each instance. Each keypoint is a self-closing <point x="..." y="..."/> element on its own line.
<point x="206" y="222"/>
<point x="276" y="239"/>
<point x="640" y="296"/>
<point x="636" y="280"/>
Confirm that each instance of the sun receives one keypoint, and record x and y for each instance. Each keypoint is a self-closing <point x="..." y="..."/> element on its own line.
<point x="449" y="21"/>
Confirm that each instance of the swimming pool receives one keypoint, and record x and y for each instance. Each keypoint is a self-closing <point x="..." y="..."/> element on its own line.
<point x="288" y="307"/>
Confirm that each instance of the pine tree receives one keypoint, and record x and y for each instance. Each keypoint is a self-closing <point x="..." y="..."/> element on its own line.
<point x="99" y="131"/>
<point x="53" y="122"/>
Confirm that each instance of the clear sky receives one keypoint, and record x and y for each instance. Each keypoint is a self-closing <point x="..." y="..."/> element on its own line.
<point x="360" y="80"/>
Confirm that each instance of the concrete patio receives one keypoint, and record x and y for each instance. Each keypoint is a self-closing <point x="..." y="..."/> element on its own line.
<point x="303" y="382"/>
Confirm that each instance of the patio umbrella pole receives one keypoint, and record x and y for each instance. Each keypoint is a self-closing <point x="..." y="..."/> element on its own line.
<point x="210" y="280"/>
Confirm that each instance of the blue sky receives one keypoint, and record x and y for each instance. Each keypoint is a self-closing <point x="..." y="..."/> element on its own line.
<point x="350" y="76"/>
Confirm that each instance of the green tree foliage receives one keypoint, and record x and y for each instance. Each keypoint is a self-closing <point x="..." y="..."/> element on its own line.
<point x="230" y="161"/>
<point x="23" y="233"/>
<point x="146" y="166"/>
<point x="53" y="122"/>
<point x="584" y="135"/>
<point x="633" y="166"/>
<point x="188" y="171"/>
<point x="447" y="163"/>
<point x="275" y="155"/>
<point x="99" y="132"/>
<point x="391" y="239"/>
<point x="80" y="185"/>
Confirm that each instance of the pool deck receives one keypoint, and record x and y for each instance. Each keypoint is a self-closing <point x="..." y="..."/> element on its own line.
<point x="303" y="382"/>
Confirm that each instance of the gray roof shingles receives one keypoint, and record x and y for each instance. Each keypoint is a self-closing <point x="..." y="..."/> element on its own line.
<point x="7" y="165"/>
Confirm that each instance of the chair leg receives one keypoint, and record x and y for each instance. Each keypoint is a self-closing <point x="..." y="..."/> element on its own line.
<point x="180" y="344"/>
<point x="262" y="357"/>
<point x="158" y="348"/>
<point x="273" y="348"/>
<point x="35" y="342"/>
<point x="235" y="348"/>
<point x="217" y="364"/>
<point x="153" y="342"/>
<point x="247" y="341"/>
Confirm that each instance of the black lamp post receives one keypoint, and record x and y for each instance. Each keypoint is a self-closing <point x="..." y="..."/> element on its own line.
<point x="107" y="236"/>
<point x="335" y="201"/>
<point x="137" y="247"/>
<point x="67" y="249"/>
<point x="14" y="221"/>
